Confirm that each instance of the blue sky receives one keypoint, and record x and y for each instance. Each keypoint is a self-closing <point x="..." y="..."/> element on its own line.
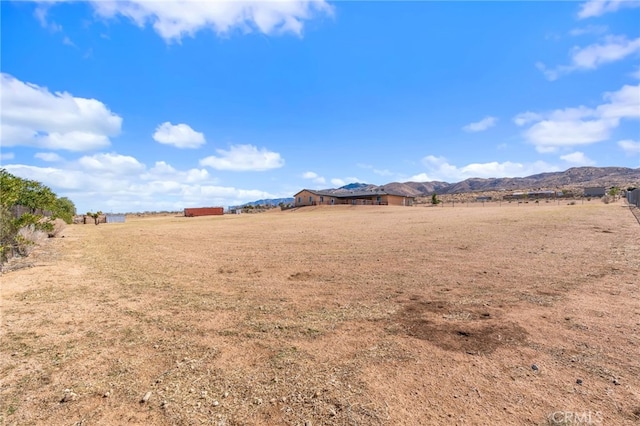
<point x="138" y="105"/>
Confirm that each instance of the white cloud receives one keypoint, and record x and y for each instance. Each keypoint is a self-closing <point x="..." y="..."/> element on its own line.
<point x="314" y="177"/>
<point x="244" y="158"/>
<point x="379" y="172"/>
<point x="629" y="146"/>
<point x="173" y="20"/>
<point x="481" y="125"/>
<point x="163" y="171"/>
<point x="614" y="48"/>
<point x="338" y="182"/>
<point x="581" y="126"/>
<point x="526" y="118"/>
<point x="33" y="116"/>
<point x="420" y="177"/>
<point x="122" y="184"/>
<point x="578" y="158"/>
<point x="50" y="157"/>
<point x="6" y="156"/>
<point x="114" y="164"/>
<point x="67" y="41"/>
<point x="179" y="135"/>
<point x="438" y="168"/>
<point x="593" y="8"/>
<point x="41" y="15"/>
<point x="589" y="29"/>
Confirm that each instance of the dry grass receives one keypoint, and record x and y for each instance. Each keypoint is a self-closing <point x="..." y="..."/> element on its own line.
<point x="28" y="239"/>
<point x="58" y="226"/>
<point x="337" y="315"/>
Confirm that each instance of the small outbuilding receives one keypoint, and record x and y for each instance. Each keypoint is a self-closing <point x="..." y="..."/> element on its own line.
<point x="595" y="191"/>
<point x="115" y="218"/>
<point x="203" y="211"/>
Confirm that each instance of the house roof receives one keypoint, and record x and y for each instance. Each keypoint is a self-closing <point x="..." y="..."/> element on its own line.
<point x="351" y="194"/>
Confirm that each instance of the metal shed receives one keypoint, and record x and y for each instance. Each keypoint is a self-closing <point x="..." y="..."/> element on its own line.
<point x="203" y="211"/>
<point x="115" y="218"/>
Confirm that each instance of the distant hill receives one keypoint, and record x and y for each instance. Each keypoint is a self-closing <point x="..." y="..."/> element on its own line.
<point x="268" y="202"/>
<point x="576" y="177"/>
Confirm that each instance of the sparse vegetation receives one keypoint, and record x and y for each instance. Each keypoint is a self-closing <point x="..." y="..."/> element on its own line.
<point x="27" y="239"/>
<point x="27" y="210"/>
<point x="326" y="327"/>
<point x="95" y="216"/>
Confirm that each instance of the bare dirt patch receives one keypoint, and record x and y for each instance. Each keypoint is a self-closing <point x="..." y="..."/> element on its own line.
<point x="469" y="329"/>
<point x="338" y="315"/>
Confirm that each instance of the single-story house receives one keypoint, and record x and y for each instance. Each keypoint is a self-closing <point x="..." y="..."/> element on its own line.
<point x="377" y="197"/>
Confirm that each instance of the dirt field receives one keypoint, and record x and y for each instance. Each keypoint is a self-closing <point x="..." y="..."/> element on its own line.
<point x="511" y="314"/>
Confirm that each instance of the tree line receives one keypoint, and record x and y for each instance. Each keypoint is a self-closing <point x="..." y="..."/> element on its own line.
<point x="42" y="204"/>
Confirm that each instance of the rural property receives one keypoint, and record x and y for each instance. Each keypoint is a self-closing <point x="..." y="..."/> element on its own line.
<point x="511" y="314"/>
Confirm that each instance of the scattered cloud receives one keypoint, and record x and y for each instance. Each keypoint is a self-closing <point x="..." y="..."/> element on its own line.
<point x="50" y="157"/>
<point x="33" y="116"/>
<point x="594" y="8"/>
<point x="379" y="172"/>
<point x="175" y="20"/>
<point x="612" y="49"/>
<point x="581" y="126"/>
<point x="526" y="118"/>
<point x="121" y="183"/>
<point x="163" y="171"/>
<point x="41" y="15"/>
<point x="244" y="158"/>
<point x="6" y="156"/>
<point x="66" y="40"/>
<point x="578" y="159"/>
<point x="438" y="168"/>
<point x="179" y="135"/>
<point x="314" y="177"/>
<point x="338" y="182"/>
<point x="420" y="177"/>
<point x="481" y="125"/>
<point x="113" y="164"/>
<point x="630" y="147"/>
<point x="589" y="29"/>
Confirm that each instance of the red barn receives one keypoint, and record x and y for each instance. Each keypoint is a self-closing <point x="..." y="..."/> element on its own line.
<point x="204" y="211"/>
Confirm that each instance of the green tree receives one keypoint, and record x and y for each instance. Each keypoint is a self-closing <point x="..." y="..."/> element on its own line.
<point x="33" y="195"/>
<point x="434" y="199"/>
<point x="614" y="191"/>
<point x="65" y="209"/>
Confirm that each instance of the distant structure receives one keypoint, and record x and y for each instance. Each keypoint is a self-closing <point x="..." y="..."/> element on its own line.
<point x="535" y="195"/>
<point x="633" y="197"/>
<point x="203" y="211"/>
<point x="114" y="218"/>
<point x="595" y="191"/>
<point x="376" y="197"/>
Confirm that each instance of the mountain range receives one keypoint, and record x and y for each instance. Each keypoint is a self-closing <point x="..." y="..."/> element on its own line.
<point x="576" y="177"/>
